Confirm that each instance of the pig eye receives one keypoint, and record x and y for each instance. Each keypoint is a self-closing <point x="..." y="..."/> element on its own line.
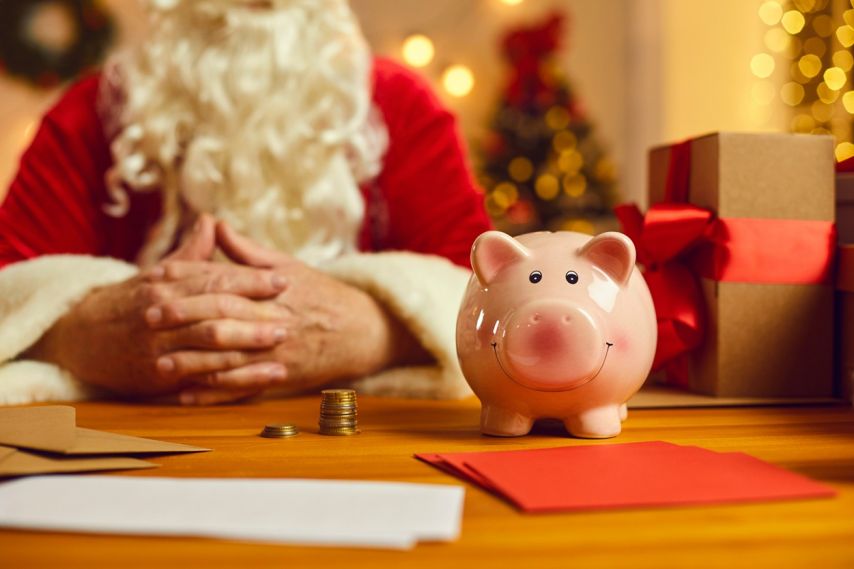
<point x="535" y="277"/>
<point x="571" y="277"/>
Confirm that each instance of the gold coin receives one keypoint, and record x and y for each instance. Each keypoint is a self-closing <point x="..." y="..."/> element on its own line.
<point x="339" y="432"/>
<point x="337" y="424"/>
<point x="339" y="393"/>
<point x="279" y="431"/>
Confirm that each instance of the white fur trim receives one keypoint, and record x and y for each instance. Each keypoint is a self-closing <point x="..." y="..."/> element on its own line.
<point x="424" y="293"/>
<point x="33" y="296"/>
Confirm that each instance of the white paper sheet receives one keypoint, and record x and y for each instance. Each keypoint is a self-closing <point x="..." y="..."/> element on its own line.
<point x="317" y="512"/>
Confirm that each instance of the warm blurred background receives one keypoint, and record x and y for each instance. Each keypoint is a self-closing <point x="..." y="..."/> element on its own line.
<point x="559" y="100"/>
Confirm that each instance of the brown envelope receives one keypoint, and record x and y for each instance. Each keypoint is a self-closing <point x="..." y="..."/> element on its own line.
<point x="52" y="429"/>
<point x="44" y="428"/>
<point x="5" y="452"/>
<point x="16" y="462"/>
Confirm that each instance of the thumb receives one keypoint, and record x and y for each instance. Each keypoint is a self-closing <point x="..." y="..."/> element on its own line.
<point x="243" y="250"/>
<point x="200" y="243"/>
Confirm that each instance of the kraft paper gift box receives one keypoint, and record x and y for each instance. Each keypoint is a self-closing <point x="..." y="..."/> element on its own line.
<point x="845" y="279"/>
<point x="845" y="201"/>
<point x="845" y="321"/>
<point x="763" y="262"/>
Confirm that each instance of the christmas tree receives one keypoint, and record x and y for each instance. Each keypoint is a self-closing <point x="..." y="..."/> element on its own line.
<point x="542" y="166"/>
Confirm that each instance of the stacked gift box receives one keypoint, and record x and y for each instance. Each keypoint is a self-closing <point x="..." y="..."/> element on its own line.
<point x="738" y="249"/>
<point x="845" y="277"/>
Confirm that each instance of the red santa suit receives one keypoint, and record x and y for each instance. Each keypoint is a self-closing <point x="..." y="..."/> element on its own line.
<point x="57" y="243"/>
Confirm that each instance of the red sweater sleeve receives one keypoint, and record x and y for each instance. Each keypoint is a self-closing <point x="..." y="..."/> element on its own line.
<point x="433" y="205"/>
<point x="55" y="202"/>
<point x="50" y="207"/>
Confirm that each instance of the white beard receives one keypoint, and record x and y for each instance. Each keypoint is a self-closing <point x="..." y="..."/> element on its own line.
<point x="260" y="117"/>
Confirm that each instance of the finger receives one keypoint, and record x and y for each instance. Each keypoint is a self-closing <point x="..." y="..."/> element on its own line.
<point x="183" y="364"/>
<point x="252" y="376"/>
<point x="227" y="334"/>
<point x="243" y="250"/>
<point x="175" y="269"/>
<point x="214" y="396"/>
<point x="201" y="241"/>
<point x="191" y="309"/>
<point x="239" y="281"/>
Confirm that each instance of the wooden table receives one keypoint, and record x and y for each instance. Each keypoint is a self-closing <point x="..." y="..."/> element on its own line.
<point x="816" y="441"/>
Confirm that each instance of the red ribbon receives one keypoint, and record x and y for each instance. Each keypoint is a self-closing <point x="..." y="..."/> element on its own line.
<point x="677" y="242"/>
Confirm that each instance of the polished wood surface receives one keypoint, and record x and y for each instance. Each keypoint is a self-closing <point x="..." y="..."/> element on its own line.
<point x="815" y="441"/>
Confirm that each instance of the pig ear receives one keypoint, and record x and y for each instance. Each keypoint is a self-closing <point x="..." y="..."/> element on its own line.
<point x="493" y="251"/>
<point x="612" y="252"/>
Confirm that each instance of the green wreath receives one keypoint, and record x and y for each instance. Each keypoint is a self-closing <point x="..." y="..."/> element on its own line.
<point x="47" y="42"/>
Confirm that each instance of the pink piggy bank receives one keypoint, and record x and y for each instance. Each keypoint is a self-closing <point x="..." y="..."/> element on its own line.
<point x="555" y="325"/>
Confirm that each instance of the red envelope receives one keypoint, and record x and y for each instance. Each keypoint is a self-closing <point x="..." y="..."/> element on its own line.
<point x="625" y="475"/>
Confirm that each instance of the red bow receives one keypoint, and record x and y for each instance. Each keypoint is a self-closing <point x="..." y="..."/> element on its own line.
<point x="664" y="240"/>
<point x="677" y="242"/>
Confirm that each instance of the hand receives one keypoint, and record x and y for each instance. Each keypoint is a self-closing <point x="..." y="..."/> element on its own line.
<point x="333" y="330"/>
<point x="183" y="321"/>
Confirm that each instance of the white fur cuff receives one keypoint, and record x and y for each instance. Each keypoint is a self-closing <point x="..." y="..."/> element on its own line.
<point x="424" y="293"/>
<point x="33" y="296"/>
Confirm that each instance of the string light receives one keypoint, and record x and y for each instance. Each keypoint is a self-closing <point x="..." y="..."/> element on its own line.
<point x="835" y="78"/>
<point x="792" y="93"/>
<point x="844" y="150"/>
<point x="520" y="169"/>
<point x="822" y="25"/>
<point x="511" y="2"/>
<point x="770" y="12"/>
<point x="762" y="65"/>
<point x="570" y="161"/>
<point x="845" y="35"/>
<point x="579" y="225"/>
<point x="810" y="65"/>
<point x="564" y="140"/>
<point x="793" y="21"/>
<point x="777" y="40"/>
<point x="458" y="80"/>
<point x="848" y="102"/>
<point x="804" y="5"/>
<point x="825" y="94"/>
<point x="574" y="186"/>
<point x="843" y="59"/>
<point x="505" y="194"/>
<point x="815" y="46"/>
<point x="557" y="118"/>
<point x="547" y="187"/>
<point x="418" y="50"/>
<point x="803" y="123"/>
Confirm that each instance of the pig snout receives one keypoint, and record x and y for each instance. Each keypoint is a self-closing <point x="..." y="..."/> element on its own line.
<point x="551" y="345"/>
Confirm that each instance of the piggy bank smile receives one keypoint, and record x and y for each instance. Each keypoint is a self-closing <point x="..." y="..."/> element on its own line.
<point x="538" y="382"/>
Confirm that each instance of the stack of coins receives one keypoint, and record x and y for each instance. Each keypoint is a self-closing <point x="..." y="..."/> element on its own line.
<point x="338" y="412"/>
<point x="279" y="431"/>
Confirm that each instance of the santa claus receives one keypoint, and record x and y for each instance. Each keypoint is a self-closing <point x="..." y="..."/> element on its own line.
<point x="246" y="200"/>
